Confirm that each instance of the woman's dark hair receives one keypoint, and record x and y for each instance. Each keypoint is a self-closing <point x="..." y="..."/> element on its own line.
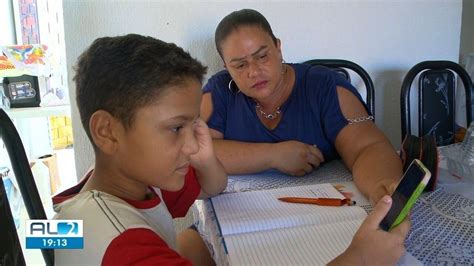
<point x="237" y="19"/>
<point x="124" y="73"/>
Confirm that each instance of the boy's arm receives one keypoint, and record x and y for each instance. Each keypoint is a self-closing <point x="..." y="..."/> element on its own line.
<point x="209" y="171"/>
<point x="141" y="246"/>
<point x="213" y="179"/>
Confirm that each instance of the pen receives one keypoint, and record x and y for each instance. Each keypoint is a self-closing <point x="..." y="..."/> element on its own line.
<point x="319" y="201"/>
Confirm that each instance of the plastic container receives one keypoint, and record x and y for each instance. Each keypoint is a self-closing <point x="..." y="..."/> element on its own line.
<point x="460" y="157"/>
<point x="41" y="175"/>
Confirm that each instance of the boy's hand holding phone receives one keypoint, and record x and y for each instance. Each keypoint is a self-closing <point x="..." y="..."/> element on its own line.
<point x="373" y="246"/>
<point x="380" y="238"/>
<point x="409" y="189"/>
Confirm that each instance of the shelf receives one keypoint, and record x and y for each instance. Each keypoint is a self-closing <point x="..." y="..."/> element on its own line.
<point x="29" y="112"/>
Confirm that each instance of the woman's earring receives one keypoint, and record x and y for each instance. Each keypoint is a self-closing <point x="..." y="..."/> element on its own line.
<point x="283" y="68"/>
<point x="230" y="86"/>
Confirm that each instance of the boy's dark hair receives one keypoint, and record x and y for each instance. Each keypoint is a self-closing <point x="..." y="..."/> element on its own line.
<point x="237" y="19"/>
<point x="121" y="74"/>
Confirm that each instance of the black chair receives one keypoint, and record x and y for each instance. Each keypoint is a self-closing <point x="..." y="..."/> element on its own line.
<point x="27" y="186"/>
<point x="436" y="104"/>
<point x="341" y="67"/>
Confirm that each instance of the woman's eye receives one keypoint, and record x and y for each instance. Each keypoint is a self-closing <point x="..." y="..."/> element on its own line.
<point x="176" y="129"/>
<point x="241" y="66"/>
<point x="262" y="57"/>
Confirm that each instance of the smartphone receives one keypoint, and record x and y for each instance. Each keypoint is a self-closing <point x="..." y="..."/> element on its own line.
<point x="413" y="182"/>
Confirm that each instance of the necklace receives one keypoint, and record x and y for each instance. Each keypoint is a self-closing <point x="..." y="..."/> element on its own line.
<point x="268" y="116"/>
<point x="277" y="111"/>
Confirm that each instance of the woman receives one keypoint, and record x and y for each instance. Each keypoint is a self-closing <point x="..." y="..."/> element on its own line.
<point x="264" y="113"/>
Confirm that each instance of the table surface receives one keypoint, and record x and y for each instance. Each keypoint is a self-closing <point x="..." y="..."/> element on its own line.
<point x="442" y="221"/>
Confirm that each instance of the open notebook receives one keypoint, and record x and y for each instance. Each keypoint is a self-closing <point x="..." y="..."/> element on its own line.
<point x="259" y="229"/>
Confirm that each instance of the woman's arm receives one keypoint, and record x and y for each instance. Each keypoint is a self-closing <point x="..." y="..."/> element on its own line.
<point x="375" y="165"/>
<point x="291" y="157"/>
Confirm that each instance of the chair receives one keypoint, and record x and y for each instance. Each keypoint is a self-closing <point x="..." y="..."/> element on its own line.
<point x="26" y="183"/>
<point x="436" y="104"/>
<point x="341" y="67"/>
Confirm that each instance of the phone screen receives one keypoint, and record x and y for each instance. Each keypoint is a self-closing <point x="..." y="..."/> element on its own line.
<point x="408" y="190"/>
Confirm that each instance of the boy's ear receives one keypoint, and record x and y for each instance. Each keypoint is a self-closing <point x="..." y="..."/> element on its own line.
<point x="102" y="127"/>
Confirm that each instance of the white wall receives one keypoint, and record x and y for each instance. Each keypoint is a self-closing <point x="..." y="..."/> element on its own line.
<point x="386" y="37"/>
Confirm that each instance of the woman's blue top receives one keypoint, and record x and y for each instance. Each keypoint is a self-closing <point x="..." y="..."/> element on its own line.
<point x="311" y="114"/>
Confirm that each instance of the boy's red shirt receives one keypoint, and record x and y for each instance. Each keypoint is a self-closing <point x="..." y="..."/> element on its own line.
<point x="137" y="245"/>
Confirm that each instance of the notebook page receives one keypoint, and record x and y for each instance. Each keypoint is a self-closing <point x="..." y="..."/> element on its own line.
<point x="308" y="245"/>
<point x="261" y="210"/>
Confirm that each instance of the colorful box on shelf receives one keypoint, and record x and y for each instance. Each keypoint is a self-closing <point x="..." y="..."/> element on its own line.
<point x="30" y="59"/>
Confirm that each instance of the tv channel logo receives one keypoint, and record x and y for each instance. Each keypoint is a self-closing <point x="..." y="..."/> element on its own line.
<point x="54" y="234"/>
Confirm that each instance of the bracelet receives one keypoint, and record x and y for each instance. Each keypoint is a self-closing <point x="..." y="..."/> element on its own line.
<point x="360" y="119"/>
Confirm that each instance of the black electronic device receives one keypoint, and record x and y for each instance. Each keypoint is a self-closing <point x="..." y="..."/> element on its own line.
<point x="23" y="91"/>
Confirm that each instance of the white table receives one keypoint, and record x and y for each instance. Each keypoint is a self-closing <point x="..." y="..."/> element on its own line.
<point x="442" y="221"/>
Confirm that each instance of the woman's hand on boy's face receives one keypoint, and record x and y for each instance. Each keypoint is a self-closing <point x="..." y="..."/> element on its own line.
<point x="204" y="140"/>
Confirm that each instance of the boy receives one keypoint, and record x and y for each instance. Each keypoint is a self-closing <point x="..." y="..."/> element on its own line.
<point x="139" y="100"/>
